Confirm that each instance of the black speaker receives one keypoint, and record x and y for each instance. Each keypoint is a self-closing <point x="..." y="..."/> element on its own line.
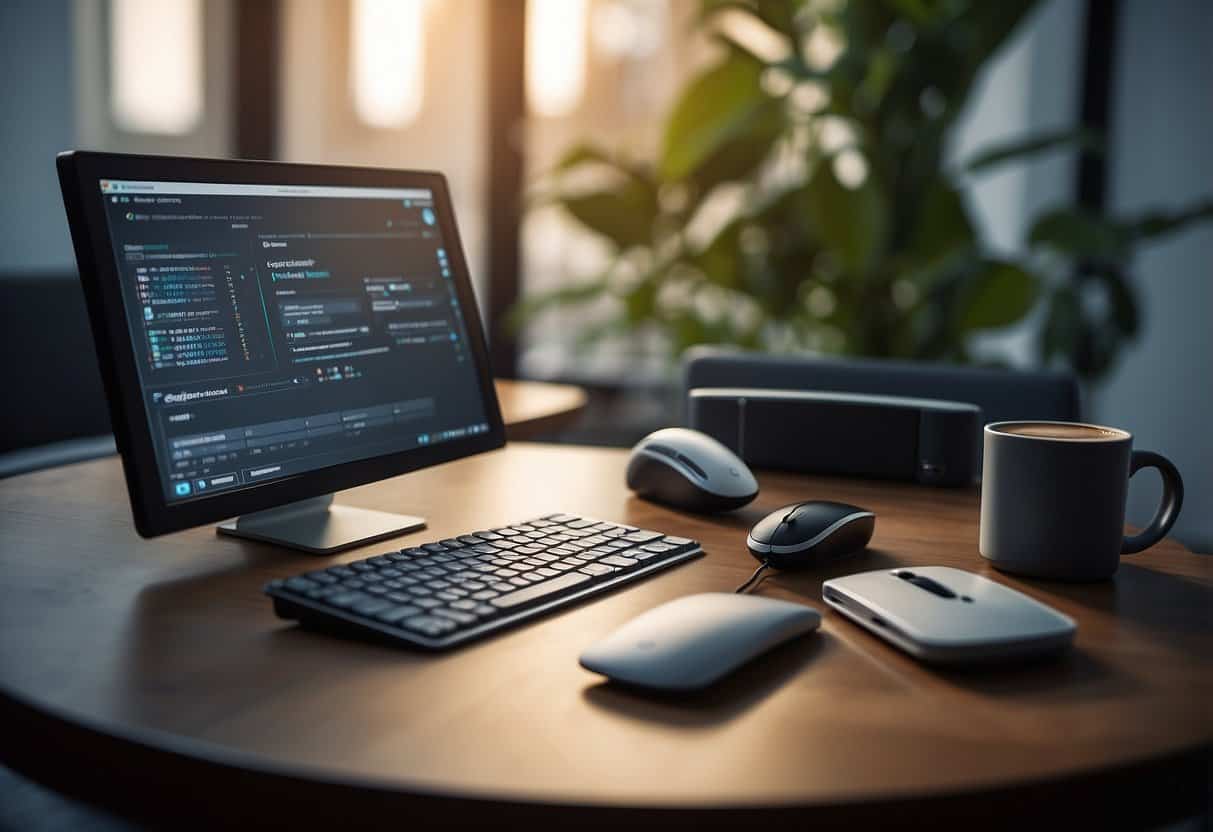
<point x="925" y="440"/>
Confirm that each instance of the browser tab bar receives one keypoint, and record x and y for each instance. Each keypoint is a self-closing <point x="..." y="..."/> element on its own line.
<point x="126" y="186"/>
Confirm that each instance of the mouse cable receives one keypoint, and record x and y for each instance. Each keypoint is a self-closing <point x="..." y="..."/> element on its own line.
<point x="754" y="578"/>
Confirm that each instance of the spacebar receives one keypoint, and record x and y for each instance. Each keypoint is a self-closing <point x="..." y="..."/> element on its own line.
<point x="565" y="581"/>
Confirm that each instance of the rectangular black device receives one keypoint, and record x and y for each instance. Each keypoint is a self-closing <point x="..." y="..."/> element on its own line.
<point x="930" y="441"/>
<point x="271" y="332"/>
<point x="442" y="594"/>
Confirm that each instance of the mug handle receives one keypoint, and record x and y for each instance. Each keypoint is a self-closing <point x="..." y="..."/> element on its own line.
<point x="1168" y="510"/>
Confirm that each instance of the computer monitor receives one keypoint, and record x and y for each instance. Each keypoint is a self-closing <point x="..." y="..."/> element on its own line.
<point x="271" y="333"/>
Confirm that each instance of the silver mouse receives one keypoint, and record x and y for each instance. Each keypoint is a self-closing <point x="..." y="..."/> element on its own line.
<point x="691" y="642"/>
<point x="691" y="470"/>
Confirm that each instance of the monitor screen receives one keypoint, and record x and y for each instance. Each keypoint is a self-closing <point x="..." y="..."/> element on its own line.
<point x="281" y="329"/>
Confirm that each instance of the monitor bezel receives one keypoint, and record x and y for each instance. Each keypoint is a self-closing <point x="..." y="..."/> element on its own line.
<point x="80" y="174"/>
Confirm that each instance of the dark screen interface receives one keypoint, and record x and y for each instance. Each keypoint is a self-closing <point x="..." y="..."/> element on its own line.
<point x="280" y="329"/>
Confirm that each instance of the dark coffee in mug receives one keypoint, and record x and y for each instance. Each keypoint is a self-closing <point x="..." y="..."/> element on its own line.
<point x="1053" y="498"/>
<point x="1062" y="430"/>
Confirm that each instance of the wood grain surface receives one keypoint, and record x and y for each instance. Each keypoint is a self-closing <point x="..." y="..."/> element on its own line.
<point x="139" y="657"/>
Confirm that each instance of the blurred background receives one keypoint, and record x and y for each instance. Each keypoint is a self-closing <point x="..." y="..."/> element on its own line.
<point x="1016" y="183"/>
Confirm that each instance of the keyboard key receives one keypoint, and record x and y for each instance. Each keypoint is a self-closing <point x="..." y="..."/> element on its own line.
<point x="678" y="541"/>
<point x="301" y="584"/>
<point x="487" y="535"/>
<point x="400" y="597"/>
<point x="468" y="539"/>
<point x="659" y="548"/>
<point x="531" y="593"/>
<point x="378" y="589"/>
<point x="426" y="603"/>
<point x="342" y="572"/>
<point x="321" y="577"/>
<point x="561" y="518"/>
<point x="485" y="594"/>
<point x="620" y="561"/>
<point x="642" y="536"/>
<point x="429" y="625"/>
<point x="502" y="587"/>
<point x="378" y="560"/>
<point x="463" y="604"/>
<point x="371" y="606"/>
<point x="520" y="581"/>
<point x="455" y="615"/>
<point x="452" y="543"/>
<point x="547" y="572"/>
<point x="346" y="599"/>
<point x="393" y="614"/>
<point x="596" y="569"/>
<point x="484" y="609"/>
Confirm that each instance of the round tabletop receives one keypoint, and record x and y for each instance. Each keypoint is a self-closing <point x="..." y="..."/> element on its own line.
<point x="532" y="408"/>
<point x="153" y="675"/>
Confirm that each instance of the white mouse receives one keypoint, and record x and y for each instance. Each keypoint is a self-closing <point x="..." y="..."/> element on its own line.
<point x="689" y="643"/>
<point x="688" y="469"/>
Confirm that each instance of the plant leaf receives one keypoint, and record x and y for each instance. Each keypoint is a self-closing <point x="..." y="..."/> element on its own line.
<point x="720" y="260"/>
<point x="716" y="108"/>
<point x="943" y="223"/>
<point x="998" y="296"/>
<point x="850" y="222"/>
<point x="1081" y="139"/>
<point x="1079" y="233"/>
<point x="584" y="153"/>
<point x="1164" y="222"/>
<point x="624" y="214"/>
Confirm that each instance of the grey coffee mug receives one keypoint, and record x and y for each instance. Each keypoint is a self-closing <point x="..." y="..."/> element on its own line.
<point x="1053" y="499"/>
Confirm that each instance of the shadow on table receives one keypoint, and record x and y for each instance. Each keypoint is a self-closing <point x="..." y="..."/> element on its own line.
<point x="1139" y="596"/>
<point x="1072" y="676"/>
<point x="721" y="702"/>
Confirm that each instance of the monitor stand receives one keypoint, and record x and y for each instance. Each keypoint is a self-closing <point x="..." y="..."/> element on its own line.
<point x="319" y="527"/>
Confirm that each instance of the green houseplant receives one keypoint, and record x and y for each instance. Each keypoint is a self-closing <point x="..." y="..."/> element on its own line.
<point x="852" y="234"/>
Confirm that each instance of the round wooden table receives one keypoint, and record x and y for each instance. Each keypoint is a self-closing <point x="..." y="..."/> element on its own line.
<point x="153" y="677"/>
<point x="531" y="408"/>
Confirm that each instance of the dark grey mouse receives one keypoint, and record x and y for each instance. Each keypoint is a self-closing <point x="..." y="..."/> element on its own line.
<point x="807" y="534"/>
<point x="688" y="469"/>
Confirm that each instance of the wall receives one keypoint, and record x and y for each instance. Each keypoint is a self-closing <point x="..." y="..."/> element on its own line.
<point x="36" y="96"/>
<point x="1162" y="155"/>
<point x="318" y="123"/>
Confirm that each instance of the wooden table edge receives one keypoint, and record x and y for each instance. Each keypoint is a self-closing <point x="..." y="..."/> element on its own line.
<point x="198" y="784"/>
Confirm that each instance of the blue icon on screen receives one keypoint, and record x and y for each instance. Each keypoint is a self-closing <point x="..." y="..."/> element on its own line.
<point x="182" y="489"/>
<point x="427" y="216"/>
